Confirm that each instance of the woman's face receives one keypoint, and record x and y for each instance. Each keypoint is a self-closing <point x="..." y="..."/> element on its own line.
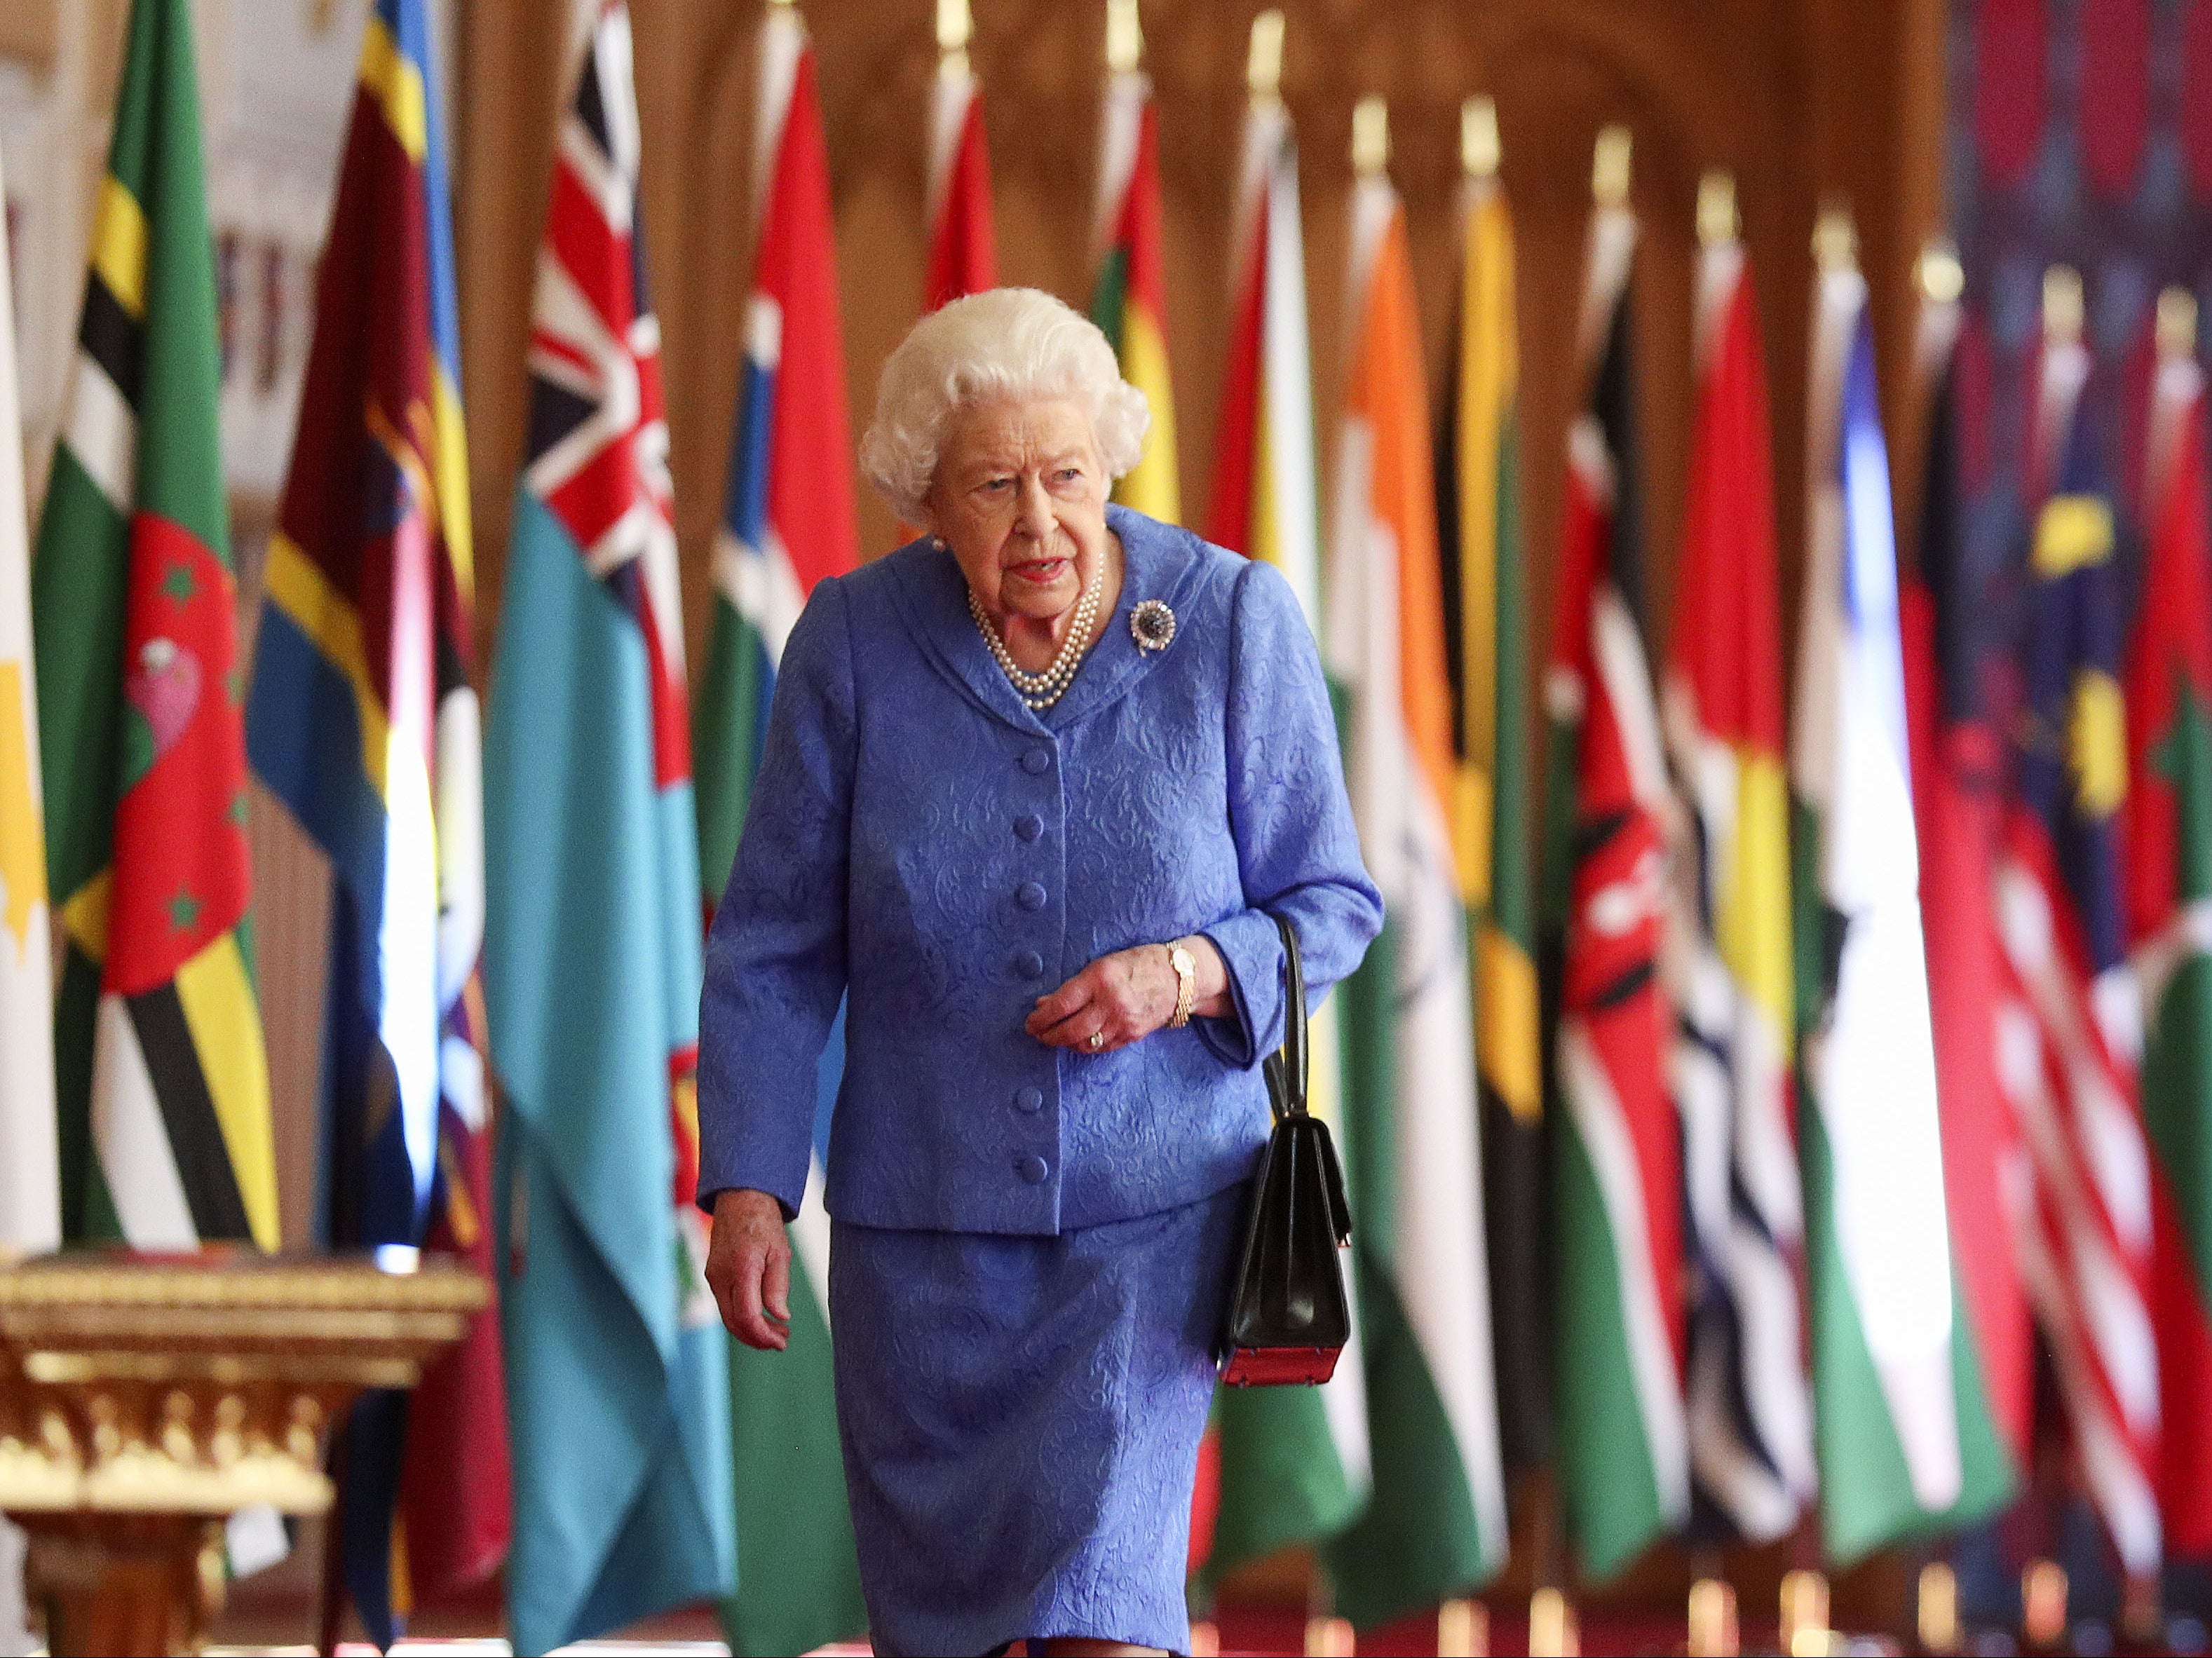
<point x="1020" y="498"/>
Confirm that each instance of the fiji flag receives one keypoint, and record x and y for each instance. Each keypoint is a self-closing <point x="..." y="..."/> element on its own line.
<point x="616" y="1367"/>
<point x="363" y="721"/>
<point x="789" y="525"/>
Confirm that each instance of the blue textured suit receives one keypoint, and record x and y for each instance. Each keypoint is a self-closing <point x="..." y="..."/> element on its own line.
<point x="922" y="844"/>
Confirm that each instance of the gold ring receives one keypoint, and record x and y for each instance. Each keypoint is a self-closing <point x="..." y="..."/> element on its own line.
<point x="1098" y="1040"/>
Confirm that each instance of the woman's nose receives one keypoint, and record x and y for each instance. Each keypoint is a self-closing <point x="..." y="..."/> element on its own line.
<point x="1036" y="509"/>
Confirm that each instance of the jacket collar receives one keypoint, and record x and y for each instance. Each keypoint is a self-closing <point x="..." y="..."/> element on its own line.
<point x="1158" y="562"/>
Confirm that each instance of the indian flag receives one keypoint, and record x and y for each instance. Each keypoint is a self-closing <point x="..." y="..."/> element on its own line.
<point x="1293" y="1463"/>
<point x="1905" y="1439"/>
<point x="1128" y="299"/>
<point x="1436" y="1524"/>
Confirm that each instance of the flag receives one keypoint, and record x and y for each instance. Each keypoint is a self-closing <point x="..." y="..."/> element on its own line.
<point x="1749" y="1399"/>
<point x="1292" y="1461"/>
<point x="363" y="721"/>
<point x="163" y="1085"/>
<point x="1903" y="1435"/>
<point x="963" y="253"/>
<point x="1128" y="298"/>
<point x="1957" y="789"/>
<point x="2166" y="825"/>
<point x="1485" y="644"/>
<point x="1436" y="1526"/>
<point x="618" y="1382"/>
<point x="1616" y="1154"/>
<point x="2069" y="1042"/>
<point x="789" y="524"/>
<point x="30" y="1177"/>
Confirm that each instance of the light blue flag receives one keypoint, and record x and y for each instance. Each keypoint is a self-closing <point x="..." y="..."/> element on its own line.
<point x="617" y="1365"/>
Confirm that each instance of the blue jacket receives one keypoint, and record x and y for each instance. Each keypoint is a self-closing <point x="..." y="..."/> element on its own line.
<point x="922" y="844"/>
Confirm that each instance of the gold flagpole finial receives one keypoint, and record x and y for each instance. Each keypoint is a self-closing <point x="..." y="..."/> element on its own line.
<point x="1942" y="278"/>
<point x="956" y="26"/>
<point x="1717" y="218"/>
<point x="2061" y="305"/>
<point x="1125" y="37"/>
<point x="1609" y="167"/>
<point x="1480" y="151"/>
<point x="2176" y="323"/>
<point x="782" y="5"/>
<point x="1371" y="136"/>
<point x="1835" y="238"/>
<point x="1263" y="68"/>
<point x="1936" y="1613"/>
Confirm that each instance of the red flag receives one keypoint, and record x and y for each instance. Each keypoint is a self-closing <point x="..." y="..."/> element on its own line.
<point x="963" y="253"/>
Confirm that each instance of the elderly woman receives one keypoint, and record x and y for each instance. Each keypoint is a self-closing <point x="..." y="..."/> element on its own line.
<point x="1036" y="787"/>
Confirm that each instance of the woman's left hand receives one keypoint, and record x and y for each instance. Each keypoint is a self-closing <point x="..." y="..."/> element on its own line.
<point x="1126" y="996"/>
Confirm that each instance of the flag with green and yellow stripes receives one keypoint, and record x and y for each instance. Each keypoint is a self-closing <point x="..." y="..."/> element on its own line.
<point x="163" y="1086"/>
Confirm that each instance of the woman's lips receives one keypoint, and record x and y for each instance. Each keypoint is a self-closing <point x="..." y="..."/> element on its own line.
<point x="1040" y="570"/>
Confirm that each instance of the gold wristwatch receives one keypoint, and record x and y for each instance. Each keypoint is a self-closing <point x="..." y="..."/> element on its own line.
<point x="1185" y="970"/>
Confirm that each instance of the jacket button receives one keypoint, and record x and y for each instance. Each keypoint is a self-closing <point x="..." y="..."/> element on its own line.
<point x="1029" y="964"/>
<point x="1029" y="828"/>
<point x="1032" y="1169"/>
<point x="1029" y="1099"/>
<point x="1037" y="761"/>
<point x="1030" y="894"/>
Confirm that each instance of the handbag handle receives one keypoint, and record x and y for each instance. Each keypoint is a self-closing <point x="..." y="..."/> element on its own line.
<point x="1287" y="1069"/>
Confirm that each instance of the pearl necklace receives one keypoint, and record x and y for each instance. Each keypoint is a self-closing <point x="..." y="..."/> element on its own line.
<point x="1041" y="690"/>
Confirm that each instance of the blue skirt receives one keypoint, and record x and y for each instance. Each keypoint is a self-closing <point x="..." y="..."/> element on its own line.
<point x="1021" y="1418"/>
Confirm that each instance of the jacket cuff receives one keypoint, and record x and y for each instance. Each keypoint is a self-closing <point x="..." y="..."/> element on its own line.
<point x="789" y="1193"/>
<point x="1252" y="950"/>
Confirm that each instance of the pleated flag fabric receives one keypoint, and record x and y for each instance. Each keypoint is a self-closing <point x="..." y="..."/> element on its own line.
<point x="1749" y="1398"/>
<point x="2069" y="1044"/>
<point x="1485" y="641"/>
<point x="617" y="1379"/>
<point x="30" y="1170"/>
<point x="1903" y="1433"/>
<point x="163" y="1084"/>
<point x="364" y="720"/>
<point x="1618" y="1341"/>
<point x="1293" y="1462"/>
<point x="2167" y="838"/>
<point x="1436" y="1527"/>
<point x="1128" y="297"/>
<point x="789" y="524"/>
<point x="963" y="249"/>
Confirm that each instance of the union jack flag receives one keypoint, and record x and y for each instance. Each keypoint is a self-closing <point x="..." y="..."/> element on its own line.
<point x="598" y="427"/>
<point x="599" y="448"/>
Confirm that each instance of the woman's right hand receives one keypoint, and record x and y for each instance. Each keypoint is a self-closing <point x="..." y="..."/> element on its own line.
<point x="749" y="1269"/>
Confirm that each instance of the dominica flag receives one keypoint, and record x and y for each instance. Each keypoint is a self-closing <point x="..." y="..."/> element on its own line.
<point x="1292" y="1461"/>
<point x="1749" y="1399"/>
<point x="1616" y="1172"/>
<point x="1436" y="1526"/>
<point x="617" y="1382"/>
<point x="963" y="253"/>
<point x="163" y="1086"/>
<point x="2167" y="833"/>
<point x="363" y="721"/>
<point x="1902" y="1434"/>
<point x="1128" y="297"/>
<point x="30" y="1175"/>
<point x="789" y="524"/>
<point x="1477" y="452"/>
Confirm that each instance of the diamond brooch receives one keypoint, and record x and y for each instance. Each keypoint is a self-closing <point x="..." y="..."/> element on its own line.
<point x="1153" y="625"/>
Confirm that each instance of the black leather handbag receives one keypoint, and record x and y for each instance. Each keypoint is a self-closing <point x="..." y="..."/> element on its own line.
<point x="1289" y="1316"/>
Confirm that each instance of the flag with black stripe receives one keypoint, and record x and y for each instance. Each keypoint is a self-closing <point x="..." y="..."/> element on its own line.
<point x="163" y="1086"/>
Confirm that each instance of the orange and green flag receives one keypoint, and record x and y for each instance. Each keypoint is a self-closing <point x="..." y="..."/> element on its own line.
<point x="1128" y="298"/>
<point x="162" y="1082"/>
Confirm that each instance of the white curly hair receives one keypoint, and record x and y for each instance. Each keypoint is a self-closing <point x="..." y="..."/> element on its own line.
<point x="1018" y="344"/>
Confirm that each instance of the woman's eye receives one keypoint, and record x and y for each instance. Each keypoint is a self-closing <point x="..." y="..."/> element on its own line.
<point x="996" y="486"/>
<point x="1069" y="474"/>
